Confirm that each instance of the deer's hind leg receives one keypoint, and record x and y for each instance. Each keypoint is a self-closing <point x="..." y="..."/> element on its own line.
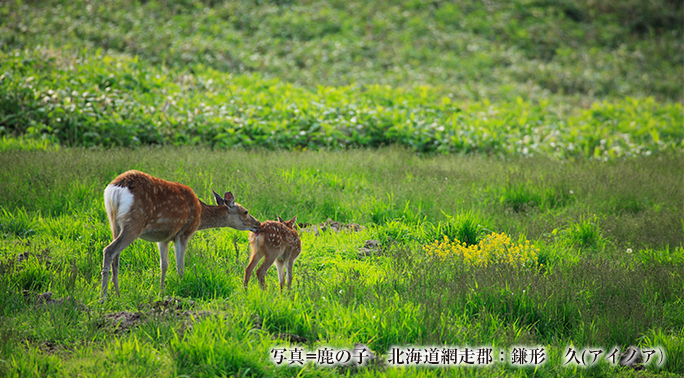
<point x="111" y="255"/>
<point x="280" y="265"/>
<point x="115" y="273"/>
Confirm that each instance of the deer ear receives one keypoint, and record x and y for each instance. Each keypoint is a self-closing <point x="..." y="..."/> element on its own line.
<point x="229" y="199"/>
<point x="217" y="197"/>
<point x="292" y="221"/>
<point x="280" y="219"/>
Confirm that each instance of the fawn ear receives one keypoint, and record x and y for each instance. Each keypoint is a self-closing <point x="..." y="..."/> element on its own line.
<point x="292" y="222"/>
<point x="229" y="199"/>
<point x="218" y="198"/>
<point x="280" y="219"/>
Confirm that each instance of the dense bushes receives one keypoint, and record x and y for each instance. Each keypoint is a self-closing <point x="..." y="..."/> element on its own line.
<point x="98" y="100"/>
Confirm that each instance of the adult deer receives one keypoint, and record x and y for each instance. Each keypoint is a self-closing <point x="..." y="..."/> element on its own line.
<point x="142" y="206"/>
<point x="276" y="242"/>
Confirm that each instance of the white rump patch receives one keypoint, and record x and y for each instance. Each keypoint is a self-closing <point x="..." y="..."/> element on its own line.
<point x="118" y="201"/>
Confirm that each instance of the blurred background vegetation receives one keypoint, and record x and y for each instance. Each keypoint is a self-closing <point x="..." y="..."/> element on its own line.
<point x="554" y="78"/>
<point x="584" y="49"/>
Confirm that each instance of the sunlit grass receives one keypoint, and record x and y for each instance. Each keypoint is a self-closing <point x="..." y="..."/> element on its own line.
<point x="586" y="278"/>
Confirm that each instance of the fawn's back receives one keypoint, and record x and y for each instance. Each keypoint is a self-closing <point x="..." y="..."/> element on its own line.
<point x="275" y="242"/>
<point x="275" y="238"/>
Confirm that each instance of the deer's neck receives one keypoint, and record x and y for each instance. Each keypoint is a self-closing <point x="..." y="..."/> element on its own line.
<point x="211" y="216"/>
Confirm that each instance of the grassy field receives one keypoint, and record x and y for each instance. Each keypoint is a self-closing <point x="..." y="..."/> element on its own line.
<point x="607" y="250"/>
<point x="505" y="175"/>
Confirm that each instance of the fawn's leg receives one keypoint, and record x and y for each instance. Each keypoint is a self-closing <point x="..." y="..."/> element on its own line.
<point x="253" y="260"/>
<point x="269" y="258"/>
<point x="280" y="265"/>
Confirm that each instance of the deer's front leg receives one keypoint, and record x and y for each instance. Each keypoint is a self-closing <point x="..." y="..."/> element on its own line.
<point x="290" y="266"/>
<point x="180" y="245"/>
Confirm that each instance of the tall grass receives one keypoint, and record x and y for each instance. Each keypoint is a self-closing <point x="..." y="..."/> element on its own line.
<point x="587" y="277"/>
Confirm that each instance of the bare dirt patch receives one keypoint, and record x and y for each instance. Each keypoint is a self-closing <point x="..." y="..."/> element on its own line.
<point x="168" y="308"/>
<point x="45" y="300"/>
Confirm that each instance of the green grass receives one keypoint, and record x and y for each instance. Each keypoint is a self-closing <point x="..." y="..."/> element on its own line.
<point x="553" y="122"/>
<point x="587" y="281"/>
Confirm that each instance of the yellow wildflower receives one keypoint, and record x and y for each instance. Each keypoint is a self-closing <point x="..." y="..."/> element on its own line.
<point x="495" y="248"/>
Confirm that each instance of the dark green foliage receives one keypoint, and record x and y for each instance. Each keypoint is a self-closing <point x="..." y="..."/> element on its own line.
<point x="345" y="75"/>
<point x="173" y="107"/>
<point x="17" y="224"/>
<point x="32" y="276"/>
<point x="466" y="228"/>
<point x="585" y="233"/>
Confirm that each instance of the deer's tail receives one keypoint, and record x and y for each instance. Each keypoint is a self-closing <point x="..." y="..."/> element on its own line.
<point x="118" y="201"/>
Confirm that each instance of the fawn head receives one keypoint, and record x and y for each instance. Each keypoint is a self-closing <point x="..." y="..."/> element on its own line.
<point x="238" y="217"/>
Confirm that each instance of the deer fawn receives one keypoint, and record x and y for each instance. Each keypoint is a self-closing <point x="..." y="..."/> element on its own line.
<point x="142" y="206"/>
<point x="277" y="242"/>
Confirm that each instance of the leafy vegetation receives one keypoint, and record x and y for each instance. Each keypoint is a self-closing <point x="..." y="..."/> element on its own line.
<point x="433" y="77"/>
<point x="475" y="50"/>
<point x="138" y="104"/>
